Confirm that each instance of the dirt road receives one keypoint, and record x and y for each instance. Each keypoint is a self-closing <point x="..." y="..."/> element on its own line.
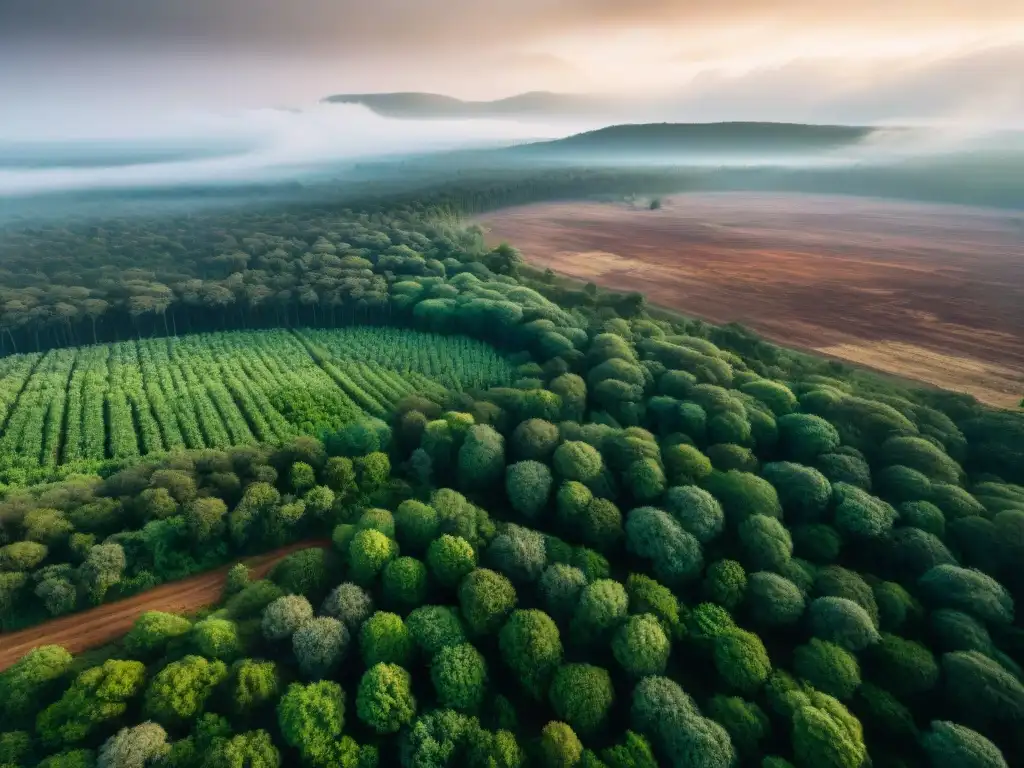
<point x="927" y="292"/>
<point x="105" y="623"/>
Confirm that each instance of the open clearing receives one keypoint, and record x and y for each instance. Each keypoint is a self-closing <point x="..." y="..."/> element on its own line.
<point x="103" y="624"/>
<point x="927" y="292"/>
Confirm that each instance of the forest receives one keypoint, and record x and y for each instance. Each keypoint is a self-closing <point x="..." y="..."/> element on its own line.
<point x="565" y="528"/>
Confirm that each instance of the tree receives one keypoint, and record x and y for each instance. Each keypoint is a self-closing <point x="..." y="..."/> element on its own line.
<point x="236" y="579"/>
<point x="676" y="555"/>
<point x="284" y="616"/>
<point x="459" y="674"/>
<point x="746" y="722"/>
<point x="950" y="745"/>
<point x="825" y="734"/>
<point x="602" y="607"/>
<point x="560" y="747"/>
<point x="534" y="440"/>
<point x="102" y="569"/>
<point x="384" y="638"/>
<point x="251" y="749"/>
<point x="217" y="638"/>
<point x="153" y="631"/>
<point x="633" y="752"/>
<point x="311" y="718"/>
<point x="805" y="493"/>
<point x="450" y="558"/>
<point x="765" y="543"/>
<point x="349" y="604"/>
<point x="842" y="622"/>
<point x="301" y="477"/>
<point x="528" y="485"/>
<point x="581" y="695"/>
<point x="368" y="553"/>
<point x="804" y="436"/>
<point x="136" y="747"/>
<point x="404" y="582"/>
<point x="741" y="659"/>
<point x="645" y="480"/>
<point x="384" y="700"/>
<point x="531" y="646"/>
<point x="684" y="464"/>
<point x="725" y="583"/>
<point x="560" y="586"/>
<point x="31" y="679"/>
<point x="254" y="684"/>
<point x="519" y="553"/>
<point x="641" y="646"/>
<point x="98" y="695"/>
<point x="969" y="590"/>
<point x="743" y="495"/>
<point x="697" y="511"/>
<point x="319" y="646"/>
<point x="486" y="598"/>
<point x="481" y="461"/>
<point x="206" y="518"/>
<point x="179" y="691"/>
<point x="416" y="525"/>
<point x="903" y="666"/>
<point x="578" y="461"/>
<point x="828" y="667"/>
<point x="601" y="525"/>
<point x="981" y="689"/>
<point x="859" y="515"/>
<point x="303" y="573"/>
<point x="648" y="596"/>
<point x="433" y="627"/>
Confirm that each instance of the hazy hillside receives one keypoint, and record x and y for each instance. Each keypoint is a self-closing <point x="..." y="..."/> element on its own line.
<point x="414" y="105"/>
<point x="655" y="140"/>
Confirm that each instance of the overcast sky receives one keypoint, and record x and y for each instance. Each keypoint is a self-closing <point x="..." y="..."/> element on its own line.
<point x="770" y="59"/>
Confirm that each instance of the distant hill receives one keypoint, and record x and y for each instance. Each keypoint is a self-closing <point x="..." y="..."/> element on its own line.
<point x="416" y="105"/>
<point x="659" y="140"/>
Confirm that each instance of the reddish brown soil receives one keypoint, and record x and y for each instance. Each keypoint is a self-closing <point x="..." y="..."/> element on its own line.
<point x="106" y="623"/>
<point x="928" y="292"/>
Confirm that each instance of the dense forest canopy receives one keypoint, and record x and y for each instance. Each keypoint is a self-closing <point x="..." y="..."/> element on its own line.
<point x="565" y="529"/>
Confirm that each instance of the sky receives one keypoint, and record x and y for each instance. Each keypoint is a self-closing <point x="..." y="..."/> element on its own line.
<point x="881" y="59"/>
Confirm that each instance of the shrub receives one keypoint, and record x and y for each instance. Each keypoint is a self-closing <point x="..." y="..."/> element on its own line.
<point x="528" y="485"/>
<point x="601" y="525"/>
<point x="486" y="598"/>
<point x="949" y="745"/>
<point x="404" y="582"/>
<point x="349" y="604"/>
<point x="685" y="464"/>
<point x="377" y="520"/>
<point x="776" y="396"/>
<point x="773" y="600"/>
<point x="319" y="646"/>
<point x="641" y="646"/>
<point x="765" y="543"/>
<point x="825" y="734"/>
<point x="904" y="667"/>
<point x="861" y="515"/>
<point x="519" y="553"/>
<point x="845" y="468"/>
<point x="285" y="615"/>
<point x="459" y="674"/>
<point x="384" y="638"/>
<point x="676" y="555"/>
<point x="582" y="695"/>
<point x="559" y="746"/>
<point x="450" y="558"/>
<point x="645" y="480"/>
<point x="899" y="484"/>
<point x="741" y="660"/>
<point x="697" y="511"/>
<point x="745" y="722"/>
<point x="834" y="581"/>
<point x="384" y="700"/>
<point x="534" y="440"/>
<point x="953" y="630"/>
<point x="923" y="515"/>
<point x="896" y="606"/>
<point x="648" y="596"/>
<point x="921" y="455"/>
<point x="481" y="460"/>
<point x="593" y="564"/>
<point x="968" y="590"/>
<point x="571" y="503"/>
<point x="433" y="627"/>
<point x="804" y="493"/>
<point x="726" y="456"/>
<point x="912" y="552"/>
<point x="725" y="583"/>
<point x="560" y="586"/>
<point x="842" y="622"/>
<point x="532" y="648"/>
<point x="884" y="714"/>
<point x="827" y="667"/>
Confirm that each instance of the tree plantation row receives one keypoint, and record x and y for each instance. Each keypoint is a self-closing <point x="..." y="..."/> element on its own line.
<point x="74" y="408"/>
<point x="627" y="539"/>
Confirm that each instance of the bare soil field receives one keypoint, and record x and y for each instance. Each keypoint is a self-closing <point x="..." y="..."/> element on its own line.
<point x="933" y="293"/>
<point x="105" y="623"/>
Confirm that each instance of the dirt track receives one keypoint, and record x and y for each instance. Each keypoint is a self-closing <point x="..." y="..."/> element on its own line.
<point x="105" y="623"/>
<point x="928" y="292"/>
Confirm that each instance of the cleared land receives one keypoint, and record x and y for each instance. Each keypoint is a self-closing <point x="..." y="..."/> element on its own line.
<point x="927" y="292"/>
<point x="101" y="625"/>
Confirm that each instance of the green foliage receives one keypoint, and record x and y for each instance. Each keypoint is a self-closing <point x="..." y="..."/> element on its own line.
<point x="450" y="558"/>
<point x="528" y="485"/>
<point x="531" y="646"/>
<point x="433" y="627"/>
<point x="459" y="674"/>
<point x="368" y="553"/>
<point x="319" y="646"/>
<point x="254" y="684"/>
<point x="250" y="749"/>
<point x="135" y="747"/>
<point x="534" y="440"/>
<point x="481" y="461"/>
<point x="826" y="734"/>
<point x="834" y="581"/>
<point x="348" y="603"/>
<point x="311" y="718"/>
<point x="861" y="515"/>
<point x="602" y="606"/>
<point x="284" y="616"/>
<point x="969" y="590"/>
<point x="842" y="622"/>
<point x="217" y="638"/>
<point x="675" y="554"/>
<point x="725" y="583"/>
<point x="982" y="690"/>
<point x="828" y="667"/>
<point x="560" y="747"/>
<point x="902" y="666"/>
<point x="745" y="722"/>
<point x="31" y="679"/>
<point x="576" y="460"/>
<point x="804" y="492"/>
<point x="384" y="638"/>
<point x="560" y="586"/>
<point x="641" y="646"/>
<point x="384" y="700"/>
<point x="685" y="464"/>
<point x="582" y="695"/>
<point x="153" y="631"/>
<point x="179" y="691"/>
<point x="416" y="525"/>
<point x="765" y="543"/>
<point x="950" y="745"/>
<point x="519" y="553"/>
<point x="697" y="511"/>
<point x="743" y="495"/>
<point x="804" y="436"/>
<point x="742" y="660"/>
<point x="404" y="582"/>
<point x="486" y="598"/>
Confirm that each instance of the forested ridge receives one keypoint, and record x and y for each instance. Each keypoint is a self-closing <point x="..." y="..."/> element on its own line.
<point x="566" y="530"/>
